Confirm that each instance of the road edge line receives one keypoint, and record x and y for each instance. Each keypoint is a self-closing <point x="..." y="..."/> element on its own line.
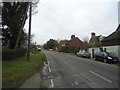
<point x="51" y="80"/>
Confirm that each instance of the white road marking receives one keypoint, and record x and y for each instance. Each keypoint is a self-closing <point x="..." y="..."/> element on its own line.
<point x="52" y="84"/>
<point x="100" y="76"/>
<point x="51" y="80"/>
<point x="49" y="67"/>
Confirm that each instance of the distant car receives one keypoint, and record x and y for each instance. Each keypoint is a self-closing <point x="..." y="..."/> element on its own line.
<point x="80" y="53"/>
<point x="39" y="49"/>
<point x="107" y="57"/>
<point x="84" y="54"/>
<point x="51" y="49"/>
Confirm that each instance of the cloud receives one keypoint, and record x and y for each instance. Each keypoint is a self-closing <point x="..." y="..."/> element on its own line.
<point x="59" y="19"/>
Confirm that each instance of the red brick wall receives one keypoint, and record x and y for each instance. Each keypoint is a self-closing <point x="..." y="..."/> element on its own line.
<point x="76" y="42"/>
<point x="65" y="42"/>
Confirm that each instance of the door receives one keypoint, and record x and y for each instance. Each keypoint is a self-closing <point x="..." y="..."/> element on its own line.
<point x="93" y="53"/>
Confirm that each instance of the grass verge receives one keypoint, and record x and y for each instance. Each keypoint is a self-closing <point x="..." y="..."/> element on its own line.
<point x="16" y="71"/>
<point x="71" y="54"/>
<point x="0" y="74"/>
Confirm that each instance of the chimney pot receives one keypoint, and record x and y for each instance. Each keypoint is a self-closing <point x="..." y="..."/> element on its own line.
<point x="92" y="34"/>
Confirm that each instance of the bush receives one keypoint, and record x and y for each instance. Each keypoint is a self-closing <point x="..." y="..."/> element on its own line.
<point x="69" y="49"/>
<point x="9" y="54"/>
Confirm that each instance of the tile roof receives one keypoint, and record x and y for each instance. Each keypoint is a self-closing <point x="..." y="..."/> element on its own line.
<point x="114" y="35"/>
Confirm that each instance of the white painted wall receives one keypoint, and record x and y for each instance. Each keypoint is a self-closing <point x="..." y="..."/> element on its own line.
<point x="114" y="49"/>
<point x="95" y="50"/>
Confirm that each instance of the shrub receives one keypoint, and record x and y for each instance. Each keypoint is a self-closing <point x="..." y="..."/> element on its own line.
<point x="8" y="54"/>
<point x="69" y="49"/>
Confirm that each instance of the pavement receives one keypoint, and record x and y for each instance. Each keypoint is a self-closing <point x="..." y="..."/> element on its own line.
<point x="40" y="79"/>
<point x="66" y="71"/>
<point x="33" y="82"/>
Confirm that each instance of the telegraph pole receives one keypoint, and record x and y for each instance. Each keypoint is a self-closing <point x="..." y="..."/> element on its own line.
<point x="29" y="32"/>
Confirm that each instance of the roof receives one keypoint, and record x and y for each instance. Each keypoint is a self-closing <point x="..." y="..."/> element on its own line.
<point x="112" y="39"/>
<point x="114" y="35"/>
<point x="74" y="41"/>
<point x="94" y="39"/>
<point x="118" y="28"/>
<point x="64" y="42"/>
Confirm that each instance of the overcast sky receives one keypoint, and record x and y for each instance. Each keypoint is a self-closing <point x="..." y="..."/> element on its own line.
<point x="59" y="19"/>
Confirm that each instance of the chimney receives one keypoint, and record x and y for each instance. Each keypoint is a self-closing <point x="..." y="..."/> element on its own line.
<point x="73" y="36"/>
<point x="92" y="34"/>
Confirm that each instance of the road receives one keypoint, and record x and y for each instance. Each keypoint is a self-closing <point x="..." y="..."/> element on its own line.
<point x="74" y="72"/>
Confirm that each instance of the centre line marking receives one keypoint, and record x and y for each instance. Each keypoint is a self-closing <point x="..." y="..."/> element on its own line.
<point x="51" y="80"/>
<point x="100" y="76"/>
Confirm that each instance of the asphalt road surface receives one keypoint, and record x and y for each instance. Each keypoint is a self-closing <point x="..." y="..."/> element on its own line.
<point x="74" y="72"/>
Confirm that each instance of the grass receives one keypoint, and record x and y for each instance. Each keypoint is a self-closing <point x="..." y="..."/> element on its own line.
<point x="0" y="74"/>
<point x="71" y="54"/>
<point x="16" y="71"/>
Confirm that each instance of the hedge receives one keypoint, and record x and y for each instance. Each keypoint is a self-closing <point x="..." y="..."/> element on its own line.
<point x="9" y="54"/>
<point x="69" y="49"/>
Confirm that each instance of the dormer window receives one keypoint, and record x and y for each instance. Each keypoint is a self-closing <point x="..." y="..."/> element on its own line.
<point x="101" y="38"/>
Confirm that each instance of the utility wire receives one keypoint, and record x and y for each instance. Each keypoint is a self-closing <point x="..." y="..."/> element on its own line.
<point x="64" y="17"/>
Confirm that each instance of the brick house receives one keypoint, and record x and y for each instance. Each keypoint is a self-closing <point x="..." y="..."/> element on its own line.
<point x="64" y="42"/>
<point x="74" y="42"/>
